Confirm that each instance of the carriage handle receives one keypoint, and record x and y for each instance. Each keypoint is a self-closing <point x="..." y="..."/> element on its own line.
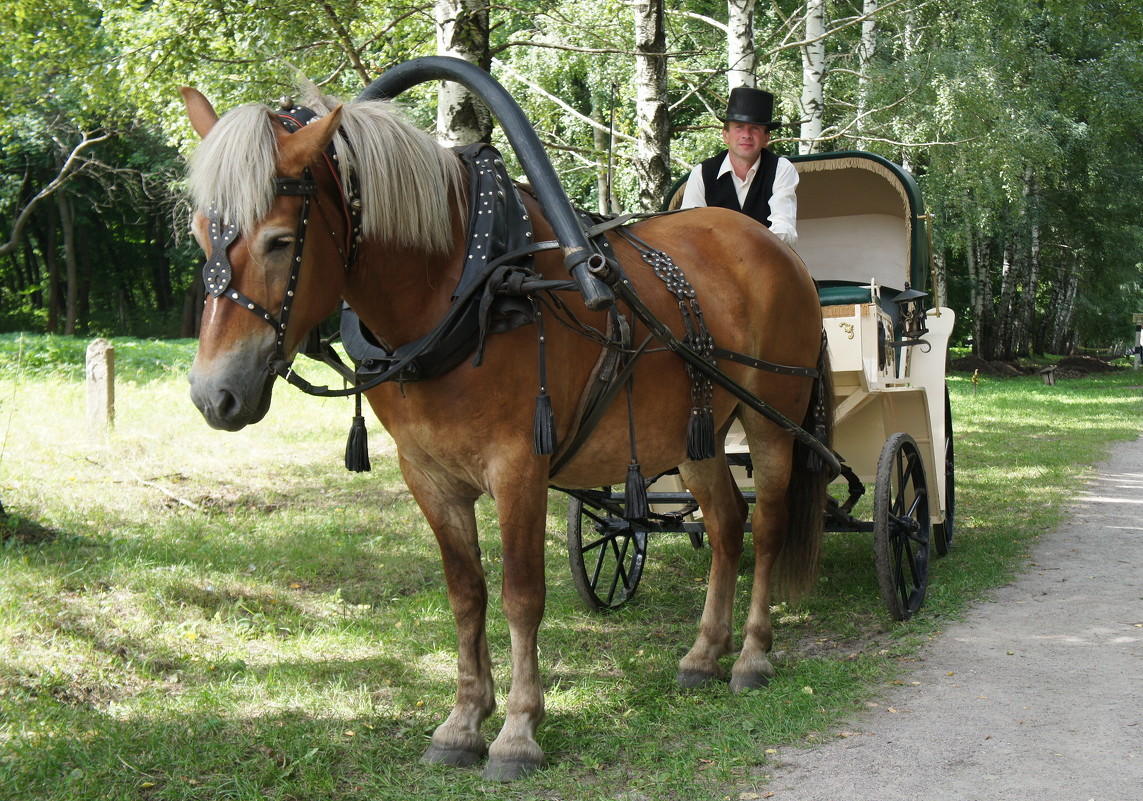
<point x="579" y="257"/>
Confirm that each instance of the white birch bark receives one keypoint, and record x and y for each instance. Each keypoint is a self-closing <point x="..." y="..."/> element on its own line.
<point x="462" y="31"/>
<point x="866" y="49"/>
<point x="740" y="56"/>
<point x="1011" y="270"/>
<point x="976" y="295"/>
<point x="813" y="76"/>
<point x="1067" y="309"/>
<point x="653" y="140"/>
<point x="1026" y="318"/>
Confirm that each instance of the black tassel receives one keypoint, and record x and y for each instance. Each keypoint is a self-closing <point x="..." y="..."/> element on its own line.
<point x="357" y="447"/>
<point x="635" y="494"/>
<point x="814" y="462"/>
<point x="700" y="434"/>
<point x="544" y="426"/>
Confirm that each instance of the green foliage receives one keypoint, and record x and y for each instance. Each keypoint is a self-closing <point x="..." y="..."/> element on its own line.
<point x="1014" y="115"/>
<point x="44" y="356"/>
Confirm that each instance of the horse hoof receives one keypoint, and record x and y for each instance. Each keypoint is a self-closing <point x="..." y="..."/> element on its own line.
<point x="693" y="679"/>
<point x="754" y="681"/>
<point x="509" y="770"/>
<point x="453" y="757"/>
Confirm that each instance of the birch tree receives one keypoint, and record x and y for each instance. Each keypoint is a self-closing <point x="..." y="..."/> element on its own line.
<point x="740" y="53"/>
<point x="813" y="76"/>
<point x="866" y="49"/>
<point x="462" y="32"/>
<point x="653" y="135"/>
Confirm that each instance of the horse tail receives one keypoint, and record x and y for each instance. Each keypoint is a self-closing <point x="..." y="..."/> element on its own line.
<point x="796" y="571"/>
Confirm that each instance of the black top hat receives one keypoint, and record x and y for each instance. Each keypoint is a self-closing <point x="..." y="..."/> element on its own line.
<point x="753" y="106"/>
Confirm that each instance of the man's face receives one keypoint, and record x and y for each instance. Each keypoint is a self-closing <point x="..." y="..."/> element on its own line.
<point x="745" y="140"/>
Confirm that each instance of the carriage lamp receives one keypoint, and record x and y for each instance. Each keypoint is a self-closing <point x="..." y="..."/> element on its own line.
<point x="911" y="312"/>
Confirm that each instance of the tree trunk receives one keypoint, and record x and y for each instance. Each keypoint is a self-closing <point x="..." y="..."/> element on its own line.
<point x="1025" y="319"/>
<point x="940" y="278"/>
<point x="866" y="50"/>
<point x="602" y="176"/>
<point x="985" y="312"/>
<point x="910" y="45"/>
<point x="813" y="77"/>
<point x="33" y="274"/>
<point x="52" y="262"/>
<point x="1065" y="309"/>
<point x="740" y="56"/>
<point x="192" y="310"/>
<point x="83" y="307"/>
<point x="462" y="31"/>
<point x="67" y="227"/>
<point x="160" y="265"/>
<point x="1009" y="278"/>
<point x="653" y="138"/>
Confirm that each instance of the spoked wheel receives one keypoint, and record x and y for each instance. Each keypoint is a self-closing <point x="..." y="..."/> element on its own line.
<point x="943" y="532"/>
<point x="901" y="527"/>
<point x="607" y="563"/>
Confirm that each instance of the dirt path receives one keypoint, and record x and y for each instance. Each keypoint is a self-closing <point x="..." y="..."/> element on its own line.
<point x="1036" y="695"/>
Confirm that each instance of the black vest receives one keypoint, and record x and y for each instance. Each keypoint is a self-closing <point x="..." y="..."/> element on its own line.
<point x="720" y="191"/>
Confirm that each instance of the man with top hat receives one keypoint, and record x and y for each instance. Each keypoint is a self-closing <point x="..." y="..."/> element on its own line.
<point x="746" y="176"/>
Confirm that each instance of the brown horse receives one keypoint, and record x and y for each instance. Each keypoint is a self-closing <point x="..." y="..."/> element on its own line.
<point x="470" y="430"/>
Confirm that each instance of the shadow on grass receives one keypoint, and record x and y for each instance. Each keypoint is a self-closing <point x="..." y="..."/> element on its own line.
<point x="16" y="530"/>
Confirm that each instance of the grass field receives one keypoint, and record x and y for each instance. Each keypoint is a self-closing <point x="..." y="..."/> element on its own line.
<point x="191" y="614"/>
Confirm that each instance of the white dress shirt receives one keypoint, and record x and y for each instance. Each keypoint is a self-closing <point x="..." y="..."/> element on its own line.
<point x="783" y="202"/>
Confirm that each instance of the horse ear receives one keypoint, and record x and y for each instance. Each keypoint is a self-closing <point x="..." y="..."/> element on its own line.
<point x="301" y="147"/>
<point x="202" y="114"/>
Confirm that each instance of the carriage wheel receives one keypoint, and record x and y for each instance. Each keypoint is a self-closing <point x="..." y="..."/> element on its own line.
<point x="608" y="564"/>
<point x="901" y="527"/>
<point x="943" y="532"/>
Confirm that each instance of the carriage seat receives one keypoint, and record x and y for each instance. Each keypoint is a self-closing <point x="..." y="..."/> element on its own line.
<point x="842" y="293"/>
<point x="839" y="293"/>
<point x="849" y="293"/>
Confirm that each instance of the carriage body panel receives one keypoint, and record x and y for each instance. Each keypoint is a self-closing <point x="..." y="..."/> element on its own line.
<point x="863" y="234"/>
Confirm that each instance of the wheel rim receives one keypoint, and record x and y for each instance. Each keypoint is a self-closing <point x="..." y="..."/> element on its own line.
<point x="901" y="527"/>
<point x="608" y="563"/>
<point x="944" y="531"/>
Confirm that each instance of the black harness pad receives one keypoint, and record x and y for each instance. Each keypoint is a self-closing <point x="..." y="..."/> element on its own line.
<point x="498" y="226"/>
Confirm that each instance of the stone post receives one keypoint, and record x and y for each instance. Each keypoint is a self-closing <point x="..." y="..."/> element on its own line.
<point x="100" y="386"/>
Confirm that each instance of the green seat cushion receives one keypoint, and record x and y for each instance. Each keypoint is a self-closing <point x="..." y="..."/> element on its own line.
<point x="843" y="294"/>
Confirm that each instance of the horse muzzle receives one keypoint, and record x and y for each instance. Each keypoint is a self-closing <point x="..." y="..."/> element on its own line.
<point x="231" y="399"/>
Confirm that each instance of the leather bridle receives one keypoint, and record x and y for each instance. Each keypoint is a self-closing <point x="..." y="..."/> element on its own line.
<point x="217" y="271"/>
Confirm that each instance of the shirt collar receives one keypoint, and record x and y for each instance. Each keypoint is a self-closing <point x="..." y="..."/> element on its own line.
<point x="727" y="167"/>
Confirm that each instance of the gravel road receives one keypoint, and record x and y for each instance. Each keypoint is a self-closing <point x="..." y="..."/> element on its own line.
<point x="1036" y="694"/>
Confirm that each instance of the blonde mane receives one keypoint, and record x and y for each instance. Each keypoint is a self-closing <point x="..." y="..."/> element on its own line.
<point x="405" y="179"/>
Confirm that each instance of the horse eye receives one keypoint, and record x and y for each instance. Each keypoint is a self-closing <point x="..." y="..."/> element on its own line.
<point x="280" y="243"/>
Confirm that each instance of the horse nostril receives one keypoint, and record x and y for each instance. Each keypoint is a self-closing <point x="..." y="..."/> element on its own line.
<point x="222" y="408"/>
<point x="226" y="405"/>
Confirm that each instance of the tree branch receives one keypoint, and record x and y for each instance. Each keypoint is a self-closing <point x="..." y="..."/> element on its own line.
<point x="578" y="115"/>
<point x="73" y="164"/>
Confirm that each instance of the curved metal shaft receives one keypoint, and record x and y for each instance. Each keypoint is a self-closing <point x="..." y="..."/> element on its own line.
<point x="579" y="257"/>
